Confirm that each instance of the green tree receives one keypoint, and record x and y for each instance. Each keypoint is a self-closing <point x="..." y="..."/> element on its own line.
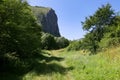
<point x="95" y="25"/>
<point x="74" y="45"/>
<point x="48" y="41"/>
<point x="89" y="43"/>
<point x="112" y="34"/>
<point x="61" y="42"/>
<point x="19" y="32"/>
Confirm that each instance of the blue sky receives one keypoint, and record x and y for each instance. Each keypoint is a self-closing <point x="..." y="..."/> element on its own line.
<point x="71" y="12"/>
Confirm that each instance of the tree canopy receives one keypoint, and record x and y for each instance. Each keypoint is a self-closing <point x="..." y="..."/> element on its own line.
<point x="19" y="32"/>
<point x="97" y="25"/>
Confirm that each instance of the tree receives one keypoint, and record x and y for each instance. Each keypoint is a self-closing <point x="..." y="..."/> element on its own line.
<point x="74" y="45"/>
<point x="19" y="32"/>
<point x="48" y="41"/>
<point x="89" y="43"/>
<point x="96" y="23"/>
<point x="112" y="34"/>
<point x="61" y="42"/>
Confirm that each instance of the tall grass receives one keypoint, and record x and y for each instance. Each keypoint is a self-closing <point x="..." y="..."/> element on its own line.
<point x="75" y="65"/>
<point x="103" y="66"/>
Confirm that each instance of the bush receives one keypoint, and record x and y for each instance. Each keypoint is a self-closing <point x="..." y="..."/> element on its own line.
<point x="74" y="45"/>
<point x="61" y="42"/>
<point x="109" y="42"/>
<point x="48" y="41"/>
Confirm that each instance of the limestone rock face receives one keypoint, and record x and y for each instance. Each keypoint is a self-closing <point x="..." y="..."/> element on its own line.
<point x="47" y="18"/>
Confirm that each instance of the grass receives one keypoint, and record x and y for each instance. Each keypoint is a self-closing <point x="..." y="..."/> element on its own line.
<point x="103" y="66"/>
<point x="40" y="10"/>
<point x="74" y="65"/>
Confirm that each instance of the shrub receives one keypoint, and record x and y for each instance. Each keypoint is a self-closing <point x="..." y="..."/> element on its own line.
<point x="61" y="42"/>
<point x="74" y="45"/>
<point x="48" y="41"/>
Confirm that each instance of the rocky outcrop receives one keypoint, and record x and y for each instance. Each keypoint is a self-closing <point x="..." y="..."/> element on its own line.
<point x="47" y="18"/>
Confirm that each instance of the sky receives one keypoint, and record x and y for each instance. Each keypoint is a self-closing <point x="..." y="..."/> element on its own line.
<point x="71" y="13"/>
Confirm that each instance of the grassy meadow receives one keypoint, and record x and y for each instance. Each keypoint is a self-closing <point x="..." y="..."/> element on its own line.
<point x="78" y="66"/>
<point x="72" y="65"/>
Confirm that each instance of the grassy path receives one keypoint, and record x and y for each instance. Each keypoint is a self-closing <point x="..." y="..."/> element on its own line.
<point x="77" y="66"/>
<point x="56" y="69"/>
<point x="63" y="65"/>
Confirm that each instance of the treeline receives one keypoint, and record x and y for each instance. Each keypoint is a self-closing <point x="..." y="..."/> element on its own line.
<point x="21" y="37"/>
<point x="19" y="33"/>
<point x="49" y="42"/>
<point x="103" y="31"/>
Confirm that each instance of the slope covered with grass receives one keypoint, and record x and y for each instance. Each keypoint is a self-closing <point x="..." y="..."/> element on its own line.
<point x="104" y="66"/>
<point x="73" y="65"/>
<point x="78" y="66"/>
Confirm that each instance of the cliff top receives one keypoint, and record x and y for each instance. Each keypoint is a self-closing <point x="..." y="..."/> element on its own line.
<point x="40" y="10"/>
<point x="47" y="18"/>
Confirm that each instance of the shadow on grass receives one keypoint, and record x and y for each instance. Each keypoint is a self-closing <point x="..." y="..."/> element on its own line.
<point x="39" y="64"/>
<point x="48" y="58"/>
<point x="47" y="66"/>
<point x="10" y="76"/>
<point x="10" y="71"/>
<point x="44" y="68"/>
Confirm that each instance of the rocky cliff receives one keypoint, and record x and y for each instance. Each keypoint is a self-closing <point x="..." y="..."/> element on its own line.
<point x="47" y="18"/>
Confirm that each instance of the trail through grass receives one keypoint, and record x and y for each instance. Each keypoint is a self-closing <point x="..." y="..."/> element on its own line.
<point x="103" y="66"/>
<point x="74" y="65"/>
<point x="78" y="66"/>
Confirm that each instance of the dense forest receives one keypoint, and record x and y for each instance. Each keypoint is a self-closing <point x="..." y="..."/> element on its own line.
<point x="25" y="47"/>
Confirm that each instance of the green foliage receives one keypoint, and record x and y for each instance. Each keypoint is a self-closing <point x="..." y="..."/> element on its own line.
<point x="89" y="43"/>
<point x="96" y="25"/>
<point x="74" y="45"/>
<point x="112" y="34"/>
<point x="48" y="41"/>
<point x="19" y="34"/>
<point x="61" y="42"/>
<point x="111" y="37"/>
<point x="101" y="17"/>
<point x="19" y="30"/>
<point x="109" y="42"/>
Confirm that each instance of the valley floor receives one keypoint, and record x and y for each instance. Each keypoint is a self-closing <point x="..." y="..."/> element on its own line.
<point x="74" y="65"/>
